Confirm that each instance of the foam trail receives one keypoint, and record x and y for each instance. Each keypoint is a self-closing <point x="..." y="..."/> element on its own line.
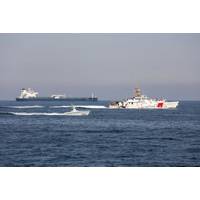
<point x="25" y="113"/>
<point x="61" y="106"/>
<point x="82" y="106"/>
<point x="92" y="107"/>
<point x="35" y="106"/>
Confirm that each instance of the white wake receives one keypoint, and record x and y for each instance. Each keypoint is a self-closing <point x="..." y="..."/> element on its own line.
<point x="35" y="106"/>
<point x="82" y="106"/>
<point x="25" y="113"/>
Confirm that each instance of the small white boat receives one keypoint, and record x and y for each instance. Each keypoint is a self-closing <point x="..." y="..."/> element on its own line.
<point x="75" y="112"/>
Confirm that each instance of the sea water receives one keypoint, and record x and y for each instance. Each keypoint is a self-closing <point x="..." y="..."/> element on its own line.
<point x="38" y="134"/>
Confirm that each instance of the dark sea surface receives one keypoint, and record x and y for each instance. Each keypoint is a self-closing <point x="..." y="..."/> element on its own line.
<point x="104" y="138"/>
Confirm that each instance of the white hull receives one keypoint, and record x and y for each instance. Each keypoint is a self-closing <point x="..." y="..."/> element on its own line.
<point x="143" y="105"/>
<point x="173" y="104"/>
<point x="166" y="105"/>
<point x="77" y="113"/>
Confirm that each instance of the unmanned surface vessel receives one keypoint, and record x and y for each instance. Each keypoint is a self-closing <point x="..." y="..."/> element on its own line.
<point x="75" y="112"/>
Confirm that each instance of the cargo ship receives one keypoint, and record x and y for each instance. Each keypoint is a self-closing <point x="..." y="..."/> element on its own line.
<point x="139" y="101"/>
<point x="31" y="95"/>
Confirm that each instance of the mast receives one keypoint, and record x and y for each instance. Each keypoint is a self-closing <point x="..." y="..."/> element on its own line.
<point x="137" y="92"/>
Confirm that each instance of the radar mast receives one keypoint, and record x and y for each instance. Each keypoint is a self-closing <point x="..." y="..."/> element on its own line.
<point x="137" y="92"/>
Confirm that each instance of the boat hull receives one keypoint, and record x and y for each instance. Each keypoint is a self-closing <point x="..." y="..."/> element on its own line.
<point x="155" y="105"/>
<point x="77" y="113"/>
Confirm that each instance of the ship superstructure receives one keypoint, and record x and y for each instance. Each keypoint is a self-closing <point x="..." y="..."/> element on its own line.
<point x="139" y="101"/>
<point x="28" y="93"/>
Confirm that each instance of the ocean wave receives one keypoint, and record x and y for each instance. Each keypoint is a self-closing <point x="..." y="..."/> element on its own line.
<point x="82" y="106"/>
<point x="24" y="107"/>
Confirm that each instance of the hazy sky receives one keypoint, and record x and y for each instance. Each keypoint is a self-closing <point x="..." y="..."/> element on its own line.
<point x="111" y="65"/>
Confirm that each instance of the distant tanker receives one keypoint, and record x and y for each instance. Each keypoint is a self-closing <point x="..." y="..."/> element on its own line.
<point x="30" y="95"/>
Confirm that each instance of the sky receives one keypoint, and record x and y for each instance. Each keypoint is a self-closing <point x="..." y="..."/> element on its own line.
<point x="110" y="65"/>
